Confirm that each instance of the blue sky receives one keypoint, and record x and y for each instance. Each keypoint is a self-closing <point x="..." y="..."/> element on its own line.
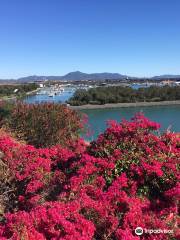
<point x="53" y="37"/>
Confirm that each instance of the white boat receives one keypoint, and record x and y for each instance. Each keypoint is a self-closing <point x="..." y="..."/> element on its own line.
<point x="51" y="94"/>
<point x="57" y="93"/>
<point x="44" y="92"/>
<point x="61" y="90"/>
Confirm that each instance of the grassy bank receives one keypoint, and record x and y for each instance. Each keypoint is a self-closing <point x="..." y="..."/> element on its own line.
<point x="124" y="105"/>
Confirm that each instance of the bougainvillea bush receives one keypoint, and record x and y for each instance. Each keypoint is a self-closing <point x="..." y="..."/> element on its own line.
<point x="104" y="190"/>
<point x="45" y="124"/>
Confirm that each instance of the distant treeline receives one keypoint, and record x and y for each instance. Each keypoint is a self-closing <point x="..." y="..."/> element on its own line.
<point x="7" y="90"/>
<point x="117" y="94"/>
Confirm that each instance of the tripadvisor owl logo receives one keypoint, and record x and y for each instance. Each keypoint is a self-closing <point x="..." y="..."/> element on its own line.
<point x="139" y="231"/>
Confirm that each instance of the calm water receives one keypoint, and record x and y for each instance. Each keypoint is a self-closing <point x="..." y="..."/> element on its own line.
<point x="39" y="98"/>
<point x="165" y="115"/>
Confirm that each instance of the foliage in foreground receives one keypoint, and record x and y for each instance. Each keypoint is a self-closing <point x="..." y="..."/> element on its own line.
<point x="127" y="178"/>
<point x="42" y="125"/>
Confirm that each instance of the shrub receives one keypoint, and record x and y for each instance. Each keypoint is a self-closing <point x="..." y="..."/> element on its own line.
<point x="44" y="124"/>
<point x="118" y="94"/>
<point x="128" y="177"/>
<point x="5" y="111"/>
<point x="7" y="90"/>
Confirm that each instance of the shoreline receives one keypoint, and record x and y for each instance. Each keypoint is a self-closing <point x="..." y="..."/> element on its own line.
<point x="125" y="105"/>
<point x="32" y="92"/>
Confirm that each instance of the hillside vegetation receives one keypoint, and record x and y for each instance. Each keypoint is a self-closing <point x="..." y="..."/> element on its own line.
<point x="8" y="90"/>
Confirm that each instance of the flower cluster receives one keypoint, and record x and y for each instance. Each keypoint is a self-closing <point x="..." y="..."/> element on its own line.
<point x="125" y="179"/>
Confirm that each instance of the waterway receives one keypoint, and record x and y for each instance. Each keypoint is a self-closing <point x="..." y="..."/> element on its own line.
<point x="167" y="116"/>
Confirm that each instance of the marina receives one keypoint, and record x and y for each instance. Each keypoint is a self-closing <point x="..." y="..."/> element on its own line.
<point x="55" y="93"/>
<point x="60" y="93"/>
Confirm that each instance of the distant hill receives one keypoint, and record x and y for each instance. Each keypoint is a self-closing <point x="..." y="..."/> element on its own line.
<point x="166" y="77"/>
<point x="38" y="78"/>
<point x="79" y="76"/>
<point x="74" y="76"/>
<point x="92" y="76"/>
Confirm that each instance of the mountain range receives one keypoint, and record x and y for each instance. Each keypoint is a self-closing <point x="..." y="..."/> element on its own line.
<point x="166" y="76"/>
<point x="76" y="76"/>
<point x="79" y="76"/>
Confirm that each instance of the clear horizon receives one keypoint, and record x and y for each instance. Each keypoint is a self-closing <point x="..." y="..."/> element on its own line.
<point x="135" y="38"/>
